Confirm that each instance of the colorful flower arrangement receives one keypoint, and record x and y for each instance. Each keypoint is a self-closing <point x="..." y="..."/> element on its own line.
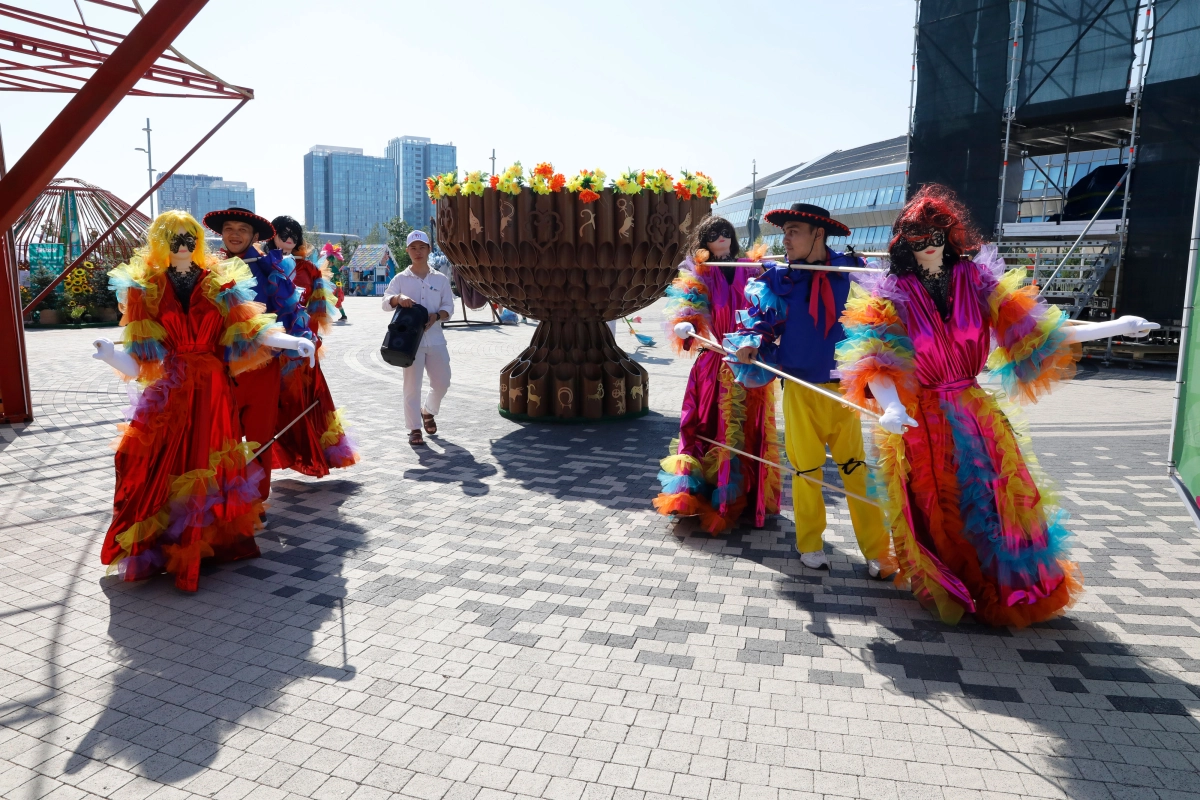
<point x="77" y="281"/>
<point x="628" y="183"/>
<point x="474" y="184"/>
<point x="544" y="180"/>
<point x="587" y="184"/>
<point x="659" y="181"/>
<point x="697" y="185"/>
<point x="333" y="251"/>
<point x="511" y="181"/>
<point x="444" y="185"/>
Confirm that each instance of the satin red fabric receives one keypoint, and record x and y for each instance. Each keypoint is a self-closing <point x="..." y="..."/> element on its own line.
<point x="185" y="424"/>
<point x="821" y="292"/>
<point x="300" y="447"/>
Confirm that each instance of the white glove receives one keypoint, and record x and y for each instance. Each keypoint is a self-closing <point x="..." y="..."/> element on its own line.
<point x="1135" y="327"/>
<point x="283" y="341"/>
<point x="895" y="417"/>
<point x="685" y="330"/>
<point x="117" y="359"/>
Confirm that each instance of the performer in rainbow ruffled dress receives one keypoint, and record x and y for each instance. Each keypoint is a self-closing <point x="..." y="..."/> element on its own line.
<point x="699" y="479"/>
<point x="318" y="441"/>
<point x="973" y="529"/>
<point x="186" y="489"/>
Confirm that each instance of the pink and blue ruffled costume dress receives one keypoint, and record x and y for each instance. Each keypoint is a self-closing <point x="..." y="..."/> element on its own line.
<point x="972" y="525"/>
<point x="700" y="479"/>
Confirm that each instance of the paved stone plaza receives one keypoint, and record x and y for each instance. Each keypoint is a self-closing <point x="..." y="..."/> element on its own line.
<point x="503" y="615"/>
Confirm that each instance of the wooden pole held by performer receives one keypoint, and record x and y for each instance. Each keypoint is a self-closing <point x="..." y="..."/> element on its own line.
<point x="813" y="267"/>
<point x="783" y="375"/>
<point x="806" y="477"/>
<point x="282" y="431"/>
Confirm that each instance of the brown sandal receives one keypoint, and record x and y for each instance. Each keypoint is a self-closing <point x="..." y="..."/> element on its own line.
<point x="415" y="439"/>
<point x="430" y="425"/>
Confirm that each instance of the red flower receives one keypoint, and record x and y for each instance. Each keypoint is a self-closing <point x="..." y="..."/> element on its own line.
<point x="588" y="196"/>
<point x="682" y="192"/>
<point x="492" y="181"/>
<point x="557" y="182"/>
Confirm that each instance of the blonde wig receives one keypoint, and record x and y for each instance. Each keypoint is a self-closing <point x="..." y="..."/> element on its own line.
<point x="157" y="251"/>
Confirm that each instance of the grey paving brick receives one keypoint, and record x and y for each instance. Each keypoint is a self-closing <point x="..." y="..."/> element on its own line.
<point x="502" y="614"/>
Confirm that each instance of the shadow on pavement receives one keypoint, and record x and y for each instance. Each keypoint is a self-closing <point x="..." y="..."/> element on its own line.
<point x="443" y="461"/>
<point x="1118" y="713"/>
<point x="193" y="666"/>
<point x="611" y="463"/>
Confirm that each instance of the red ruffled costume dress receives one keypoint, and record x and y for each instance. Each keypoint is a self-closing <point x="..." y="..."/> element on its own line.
<point x="318" y="442"/>
<point x="185" y="490"/>
<point x="974" y="526"/>
<point x="699" y="479"/>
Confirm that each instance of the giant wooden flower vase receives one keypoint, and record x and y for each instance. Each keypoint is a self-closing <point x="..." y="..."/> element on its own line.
<point x="572" y="266"/>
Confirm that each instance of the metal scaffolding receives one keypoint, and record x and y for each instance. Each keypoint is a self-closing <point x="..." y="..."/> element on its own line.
<point x="56" y="59"/>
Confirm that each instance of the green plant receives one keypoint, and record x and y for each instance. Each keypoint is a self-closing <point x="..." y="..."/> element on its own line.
<point x="39" y="279"/>
<point x="348" y="248"/>
<point x="398" y="231"/>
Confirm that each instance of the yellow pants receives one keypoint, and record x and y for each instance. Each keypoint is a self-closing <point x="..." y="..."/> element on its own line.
<point x="813" y="421"/>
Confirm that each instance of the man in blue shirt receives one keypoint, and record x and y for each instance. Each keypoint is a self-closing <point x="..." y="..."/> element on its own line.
<point x="793" y="324"/>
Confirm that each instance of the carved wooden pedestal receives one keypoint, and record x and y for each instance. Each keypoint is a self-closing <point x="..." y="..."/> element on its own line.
<point x="573" y="266"/>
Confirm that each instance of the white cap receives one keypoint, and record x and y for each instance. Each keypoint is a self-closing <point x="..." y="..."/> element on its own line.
<point x="416" y="236"/>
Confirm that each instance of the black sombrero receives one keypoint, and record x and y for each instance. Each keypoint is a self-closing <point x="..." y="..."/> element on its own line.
<point x="215" y="220"/>
<point x="804" y="212"/>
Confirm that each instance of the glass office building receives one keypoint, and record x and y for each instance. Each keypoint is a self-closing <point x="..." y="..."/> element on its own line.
<point x="176" y="191"/>
<point x="219" y="195"/>
<point x="862" y="188"/>
<point x="1045" y="178"/>
<point x="348" y="192"/>
<point x="416" y="158"/>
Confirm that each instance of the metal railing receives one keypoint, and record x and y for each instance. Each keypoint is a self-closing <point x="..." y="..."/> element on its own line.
<point x="1066" y="273"/>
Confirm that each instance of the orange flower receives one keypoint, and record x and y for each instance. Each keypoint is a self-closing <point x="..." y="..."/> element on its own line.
<point x="682" y="192"/>
<point x="557" y="182"/>
<point x="430" y="184"/>
<point x="588" y="196"/>
<point x="544" y="169"/>
<point x="492" y="181"/>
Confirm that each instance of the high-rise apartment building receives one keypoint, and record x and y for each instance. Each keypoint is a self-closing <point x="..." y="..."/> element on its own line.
<point x="346" y="191"/>
<point x="176" y="191"/>
<point x="221" y="194"/>
<point x="416" y="158"/>
<point x="200" y="194"/>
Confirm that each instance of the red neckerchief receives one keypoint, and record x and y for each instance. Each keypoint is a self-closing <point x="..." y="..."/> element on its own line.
<point x="822" y="290"/>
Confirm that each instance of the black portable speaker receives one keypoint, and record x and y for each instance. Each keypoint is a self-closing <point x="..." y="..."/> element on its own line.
<point x="404" y="334"/>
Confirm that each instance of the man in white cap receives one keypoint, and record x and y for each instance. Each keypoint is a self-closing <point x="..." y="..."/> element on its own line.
<point x="429" y="288"/>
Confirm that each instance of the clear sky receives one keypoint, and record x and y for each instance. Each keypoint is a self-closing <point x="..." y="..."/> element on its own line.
<point x="608" y="83"/>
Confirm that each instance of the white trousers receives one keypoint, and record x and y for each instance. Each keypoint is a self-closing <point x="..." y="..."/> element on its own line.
<point x="435" y="360"/>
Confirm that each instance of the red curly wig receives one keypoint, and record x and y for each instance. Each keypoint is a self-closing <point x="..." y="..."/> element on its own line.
<point x="933" y="207"/>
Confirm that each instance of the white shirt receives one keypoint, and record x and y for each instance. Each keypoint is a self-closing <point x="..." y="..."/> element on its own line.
<point x="432" y="291"/>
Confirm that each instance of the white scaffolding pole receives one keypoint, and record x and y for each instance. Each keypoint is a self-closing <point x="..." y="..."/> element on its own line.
<point x="1147" y="35"/>
<point x="1010" y="109"/>
<point x="912" y="100"/>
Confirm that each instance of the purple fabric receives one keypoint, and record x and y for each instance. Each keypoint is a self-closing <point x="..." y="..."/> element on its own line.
<point x="1018" y="555"/>
<point x="947" y="352"/>
<point x="738" y="480"/>
<point x="700" y="415"/>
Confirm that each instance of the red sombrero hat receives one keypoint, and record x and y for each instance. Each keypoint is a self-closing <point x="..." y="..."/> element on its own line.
<point x="216" y="219"/>
<point x="804" y="212"/>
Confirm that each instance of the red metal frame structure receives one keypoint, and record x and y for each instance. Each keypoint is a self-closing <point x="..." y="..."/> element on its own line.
<point x="72" y="213"/>
<point x="133" y="63"/>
